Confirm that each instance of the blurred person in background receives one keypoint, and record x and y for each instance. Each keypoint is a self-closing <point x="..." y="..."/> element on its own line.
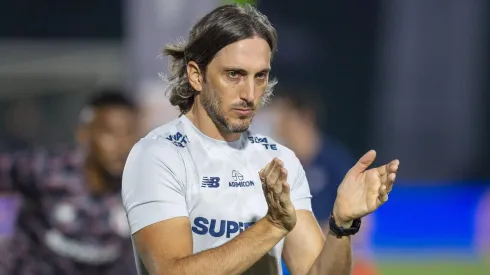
<point x="22" y="121"/>
<point x="71" y="219"/>
<point x="297" y="123"/>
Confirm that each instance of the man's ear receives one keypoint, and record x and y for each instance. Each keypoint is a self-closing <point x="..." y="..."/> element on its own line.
<point x="195" y="76"/>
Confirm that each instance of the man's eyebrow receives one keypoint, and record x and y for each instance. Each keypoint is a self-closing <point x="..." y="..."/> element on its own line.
<point x="243" y="71"/>
<point x="265" y="70"/>
<point x="235" y="69"/>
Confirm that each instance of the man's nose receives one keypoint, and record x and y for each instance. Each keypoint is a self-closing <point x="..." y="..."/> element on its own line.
<point x="247" y="93"/>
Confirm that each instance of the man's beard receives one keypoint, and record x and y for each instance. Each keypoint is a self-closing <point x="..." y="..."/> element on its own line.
<point x="212" y="105"/>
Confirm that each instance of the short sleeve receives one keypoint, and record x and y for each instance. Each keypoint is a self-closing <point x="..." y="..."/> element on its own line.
<point x="300" y="190"/>
<point x="153" y="184"/>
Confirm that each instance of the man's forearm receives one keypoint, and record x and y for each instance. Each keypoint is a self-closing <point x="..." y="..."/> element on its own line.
<point x="237" y="255"/>
<point x="335" y="257"/>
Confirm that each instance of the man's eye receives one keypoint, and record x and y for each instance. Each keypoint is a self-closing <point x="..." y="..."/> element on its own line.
<point x="261" y="75"/>
<point x="233" y="74"/>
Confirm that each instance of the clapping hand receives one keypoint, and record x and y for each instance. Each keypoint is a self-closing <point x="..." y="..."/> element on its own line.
<point x="363" y="191"/>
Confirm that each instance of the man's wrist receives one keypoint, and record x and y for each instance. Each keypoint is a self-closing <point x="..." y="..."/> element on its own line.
<point x="274" y="227"/>
<point x="341" y="223"/>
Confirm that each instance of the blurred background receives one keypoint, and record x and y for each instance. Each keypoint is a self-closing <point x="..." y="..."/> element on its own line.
<point x="409" y="78"/>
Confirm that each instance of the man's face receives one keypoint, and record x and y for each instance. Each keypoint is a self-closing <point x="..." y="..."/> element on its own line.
<point x="236" y="80"/>
<point x="113" y="132"/>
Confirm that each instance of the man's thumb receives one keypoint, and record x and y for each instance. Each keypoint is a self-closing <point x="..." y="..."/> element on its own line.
<point x="364" y="162"/>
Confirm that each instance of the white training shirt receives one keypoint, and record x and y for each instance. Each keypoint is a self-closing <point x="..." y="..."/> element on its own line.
<point x="177" y="171"/>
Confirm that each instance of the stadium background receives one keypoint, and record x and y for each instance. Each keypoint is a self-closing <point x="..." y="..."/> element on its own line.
<point x="406" y="77"/>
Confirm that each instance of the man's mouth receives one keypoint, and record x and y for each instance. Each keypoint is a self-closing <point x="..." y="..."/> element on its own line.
<point x="243" y="111"/>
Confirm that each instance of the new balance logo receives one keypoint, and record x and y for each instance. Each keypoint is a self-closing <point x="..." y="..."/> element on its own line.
<point x="210" y="182"/>
<point x="238" y="180"/>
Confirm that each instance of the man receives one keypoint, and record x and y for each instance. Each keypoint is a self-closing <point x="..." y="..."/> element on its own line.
<point x="71" y="219"/>
<point x="204" y="195"/>
<point x="325" y="161"/>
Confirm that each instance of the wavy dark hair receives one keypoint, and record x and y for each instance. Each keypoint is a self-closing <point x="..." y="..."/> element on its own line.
<point x="222" y="26"/>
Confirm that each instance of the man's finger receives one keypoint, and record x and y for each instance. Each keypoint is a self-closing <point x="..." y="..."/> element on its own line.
<point x="283" y="175"/>
<point x="389" y="182"/>
<point x="364" y="162"/>
<point x="383" y="194"/>
<point x="274" y="172"/>
<point x="391" y="167"/>
<point x="268" y="168"/>
<point x="383" y="170"/>
<point x="383" y="190"/>
<point x="383" y="198"/>
<point x="285" y="194"/>
<point x="394" y="166"/>
<point x="286" y="189"/>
